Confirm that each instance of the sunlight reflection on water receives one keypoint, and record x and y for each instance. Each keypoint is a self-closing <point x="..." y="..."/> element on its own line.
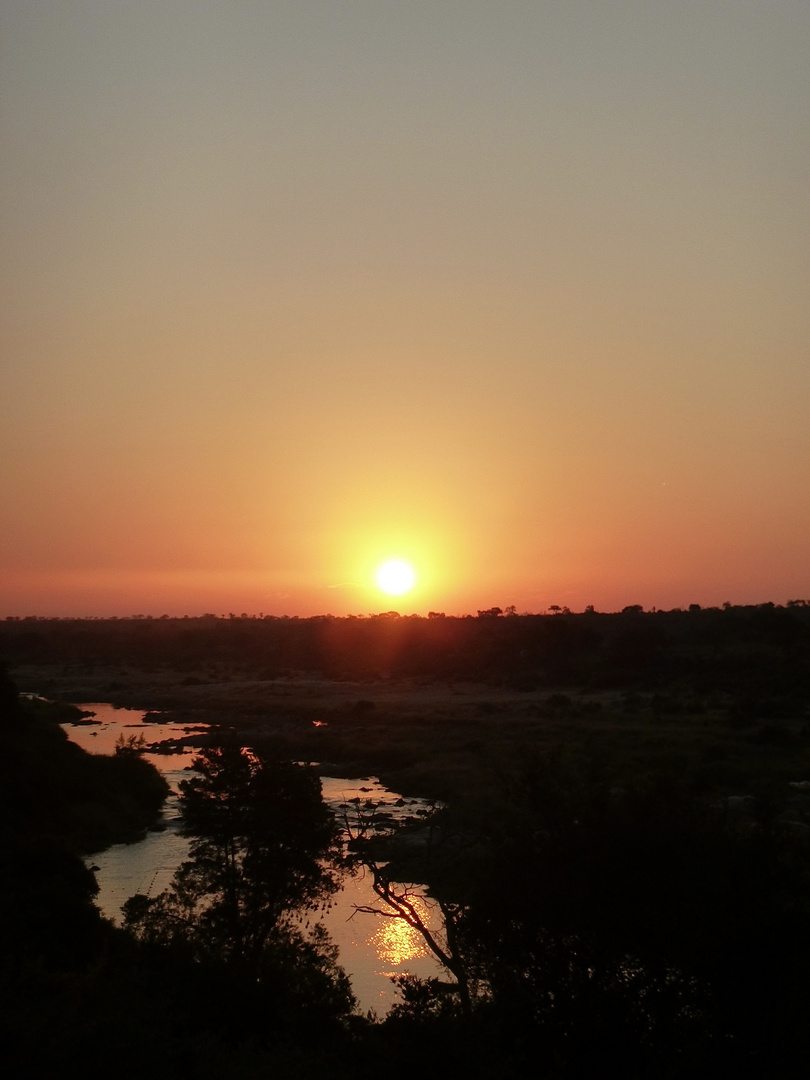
<point x="396" y="942"/>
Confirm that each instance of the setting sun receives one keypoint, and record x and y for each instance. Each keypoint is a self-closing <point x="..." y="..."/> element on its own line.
<point x="396" y="577"/>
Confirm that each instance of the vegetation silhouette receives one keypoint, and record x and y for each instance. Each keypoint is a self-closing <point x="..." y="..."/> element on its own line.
<point x="758" y="651"/>
<point x="622" y="858"/>
<point x="55" y="803"/>
<point x="638" y="931"/>
<point x="240" y="987"/>
<point x="264" y="849"/>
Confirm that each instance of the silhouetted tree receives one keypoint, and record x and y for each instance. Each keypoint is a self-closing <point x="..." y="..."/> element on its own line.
<point x="263" y="843"/>
<point x="629" y="929"/>
<point x="490" y="613"/>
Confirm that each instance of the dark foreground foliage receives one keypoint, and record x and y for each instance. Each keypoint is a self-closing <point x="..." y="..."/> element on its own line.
<point x="643" y="930"/>
<point x="264" y="850"/>
<point x="263" y="842"/>
<point x="215" y="979"/>
<point x="56" y="802"/>
<point x="633" y="933"/>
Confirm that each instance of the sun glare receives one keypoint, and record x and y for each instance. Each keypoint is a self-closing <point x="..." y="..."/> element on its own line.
<point x="396" y="577"/>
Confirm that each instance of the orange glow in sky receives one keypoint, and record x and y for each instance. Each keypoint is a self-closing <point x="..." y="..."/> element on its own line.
<point x="514" y="292"/>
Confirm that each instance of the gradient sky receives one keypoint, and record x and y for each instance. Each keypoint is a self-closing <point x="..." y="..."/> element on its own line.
<point x="516" y="290"/>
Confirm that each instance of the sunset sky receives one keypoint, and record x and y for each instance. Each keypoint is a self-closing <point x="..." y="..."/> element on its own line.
<point x="516" y="291"/>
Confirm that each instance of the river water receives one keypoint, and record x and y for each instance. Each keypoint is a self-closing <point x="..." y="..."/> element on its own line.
<point x="371" y="948"/>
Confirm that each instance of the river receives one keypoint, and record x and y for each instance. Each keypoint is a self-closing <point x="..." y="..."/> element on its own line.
<point x="371" y="948"/>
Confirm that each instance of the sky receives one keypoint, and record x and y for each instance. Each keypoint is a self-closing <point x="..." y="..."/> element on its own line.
<point x="515" y="291"/>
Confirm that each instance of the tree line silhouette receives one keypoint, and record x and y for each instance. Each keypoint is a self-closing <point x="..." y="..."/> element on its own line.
<point x="756" y="650"/>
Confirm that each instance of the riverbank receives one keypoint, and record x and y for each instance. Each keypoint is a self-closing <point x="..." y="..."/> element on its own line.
<point x="82" y="801"/>
<point x="437" y="739"/>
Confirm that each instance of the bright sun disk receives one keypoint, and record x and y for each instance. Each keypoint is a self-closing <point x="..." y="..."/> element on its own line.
<point x="396" y="577"/>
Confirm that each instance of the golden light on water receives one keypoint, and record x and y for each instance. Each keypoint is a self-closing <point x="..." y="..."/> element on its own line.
<point x="396" y="942"/>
